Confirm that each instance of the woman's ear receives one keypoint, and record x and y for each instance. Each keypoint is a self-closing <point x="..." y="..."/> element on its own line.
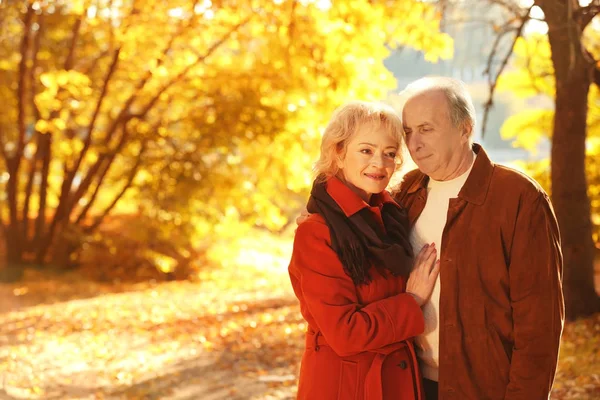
<point x="339" y="155"/>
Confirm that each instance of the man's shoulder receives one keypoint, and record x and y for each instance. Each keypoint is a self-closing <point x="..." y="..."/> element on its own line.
<point x="412" y="176"/>
<point x="408" y="179"/>
<point x="507" y="178"/>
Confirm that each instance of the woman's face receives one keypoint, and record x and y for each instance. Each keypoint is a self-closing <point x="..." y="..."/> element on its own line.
<point x="369" y="160"/>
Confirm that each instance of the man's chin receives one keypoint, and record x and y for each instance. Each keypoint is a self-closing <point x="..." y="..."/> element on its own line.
<point x="424" y="167"/>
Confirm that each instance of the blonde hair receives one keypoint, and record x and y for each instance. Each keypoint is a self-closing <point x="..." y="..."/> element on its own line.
<point x="343" y="125"/>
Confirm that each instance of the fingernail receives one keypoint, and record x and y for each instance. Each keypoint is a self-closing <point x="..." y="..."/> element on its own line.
<point x="433" y="244"/>
<point x="426" y="246"/>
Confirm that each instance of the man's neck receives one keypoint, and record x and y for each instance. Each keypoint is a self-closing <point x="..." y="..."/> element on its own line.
<point x="464" y="163"/>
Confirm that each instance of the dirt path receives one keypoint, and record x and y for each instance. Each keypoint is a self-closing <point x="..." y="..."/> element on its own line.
<point x="173" y="341"/>
<point x="236" y="335"/>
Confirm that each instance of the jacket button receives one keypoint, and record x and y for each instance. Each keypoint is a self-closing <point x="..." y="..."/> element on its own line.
<point x="402" y="364"/>
<point x="317" y="348"/>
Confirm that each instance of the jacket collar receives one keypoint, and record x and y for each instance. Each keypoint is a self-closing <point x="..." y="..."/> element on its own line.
<point x="476" y="187"/>
<point x="350" y="202"/>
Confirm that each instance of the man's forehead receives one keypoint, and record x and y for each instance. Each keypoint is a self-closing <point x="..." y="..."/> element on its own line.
<point x="429" y="97"/>
<point x="425" y="106"/>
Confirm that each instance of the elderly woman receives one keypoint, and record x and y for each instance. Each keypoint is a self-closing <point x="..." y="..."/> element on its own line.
<point x="352" y="267"/>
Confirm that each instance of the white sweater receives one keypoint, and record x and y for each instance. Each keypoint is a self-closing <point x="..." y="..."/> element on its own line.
<point x="428" y="229"/>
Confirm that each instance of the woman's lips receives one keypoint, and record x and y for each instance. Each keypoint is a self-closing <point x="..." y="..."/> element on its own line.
<point x="376" y="177"/>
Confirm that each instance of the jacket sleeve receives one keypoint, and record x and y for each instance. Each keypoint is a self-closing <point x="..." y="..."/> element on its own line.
<point x="329" y="295"/>
<point x="535" y="273"/>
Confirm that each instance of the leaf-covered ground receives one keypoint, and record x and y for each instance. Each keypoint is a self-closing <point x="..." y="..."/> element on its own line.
<point x="237" y="334"/>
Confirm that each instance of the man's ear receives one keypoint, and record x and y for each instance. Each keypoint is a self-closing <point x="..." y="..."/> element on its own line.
<point x="466" y="131"/>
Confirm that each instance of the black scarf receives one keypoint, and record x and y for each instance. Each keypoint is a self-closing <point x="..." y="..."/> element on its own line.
<point x="359" y="240"/>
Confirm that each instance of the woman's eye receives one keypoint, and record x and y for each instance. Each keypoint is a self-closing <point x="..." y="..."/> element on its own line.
<point x="366" y="151"/>
<point x="391" y="154"/>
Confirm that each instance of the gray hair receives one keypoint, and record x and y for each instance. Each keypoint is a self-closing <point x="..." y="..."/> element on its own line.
<point x="460" y="103"/>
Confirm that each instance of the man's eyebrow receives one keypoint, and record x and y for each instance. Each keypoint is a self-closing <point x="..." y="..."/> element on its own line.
<point x="418" y="126"/>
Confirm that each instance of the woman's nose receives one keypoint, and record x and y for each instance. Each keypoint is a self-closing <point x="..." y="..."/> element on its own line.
<point x="377" y="160"/>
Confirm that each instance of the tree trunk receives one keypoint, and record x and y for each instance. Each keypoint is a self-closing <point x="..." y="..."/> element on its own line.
<point x="14" y="267"/>
<point x="569" y="184"/>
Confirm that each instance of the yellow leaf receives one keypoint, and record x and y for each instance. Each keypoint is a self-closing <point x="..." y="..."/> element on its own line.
<point x="41" y="126"/>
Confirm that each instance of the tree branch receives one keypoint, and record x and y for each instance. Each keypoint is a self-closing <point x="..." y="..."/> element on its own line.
<point x="40" y="224"/>
<point x="111" y="38"/>
<point x="34" y="65"/>
<point x="595" y="67"/>
<point x="87" y="181"/>
<point x="586" y="14"/>
<point x="3" y="152"/>
<point x="94" y="195"/>
<point x="70" y="175"/>
<point x="70" y="60"/>
<point x="36" y="112"/>
<point x="132" y="175"/>
<point x="28" y="191"/>
<point x="22" y="86"/>
<point x="493" y="82"/>
<point x="121" y="120"/>
<point x="141" y="84"/>
<point x="185" y="71"/>
<point x="14" y="240"/>
<point x="509" y="5"/>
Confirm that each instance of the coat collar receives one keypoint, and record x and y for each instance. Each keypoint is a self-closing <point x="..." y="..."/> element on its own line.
<point x="476" y="187"/>
<point x="350" y="202"/>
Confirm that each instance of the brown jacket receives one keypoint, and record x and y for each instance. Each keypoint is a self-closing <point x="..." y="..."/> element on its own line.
<point x="501" y="302"/>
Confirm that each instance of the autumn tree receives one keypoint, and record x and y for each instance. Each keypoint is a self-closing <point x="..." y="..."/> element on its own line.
<point x="190" y="113"/>
<point x="562" y="64"/>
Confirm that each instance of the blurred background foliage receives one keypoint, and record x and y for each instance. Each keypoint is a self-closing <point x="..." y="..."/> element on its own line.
<point x="136" y="136"/>
<point x="147" y="130"/>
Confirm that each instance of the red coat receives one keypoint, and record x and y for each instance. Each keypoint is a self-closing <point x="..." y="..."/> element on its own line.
<point x="358" y="340"/>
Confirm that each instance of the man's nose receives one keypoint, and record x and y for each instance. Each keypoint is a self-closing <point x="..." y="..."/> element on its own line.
<point x="413" y="142"/>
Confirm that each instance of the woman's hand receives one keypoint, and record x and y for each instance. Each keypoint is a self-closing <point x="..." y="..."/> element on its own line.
<point x="422" y="278"/>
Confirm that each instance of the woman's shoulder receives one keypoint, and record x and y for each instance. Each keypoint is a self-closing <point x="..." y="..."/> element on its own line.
<point x="313" y="225"/>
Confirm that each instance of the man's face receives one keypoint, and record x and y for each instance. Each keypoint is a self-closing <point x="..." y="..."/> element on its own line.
<point x="432" y="139"/>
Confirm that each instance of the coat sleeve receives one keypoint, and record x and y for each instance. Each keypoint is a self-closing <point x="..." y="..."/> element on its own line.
<point x="329" y="296"/>
<point x="536" y="296"/>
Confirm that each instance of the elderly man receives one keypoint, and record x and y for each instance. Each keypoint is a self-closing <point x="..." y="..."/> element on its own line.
<point x="494" y="321"/>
